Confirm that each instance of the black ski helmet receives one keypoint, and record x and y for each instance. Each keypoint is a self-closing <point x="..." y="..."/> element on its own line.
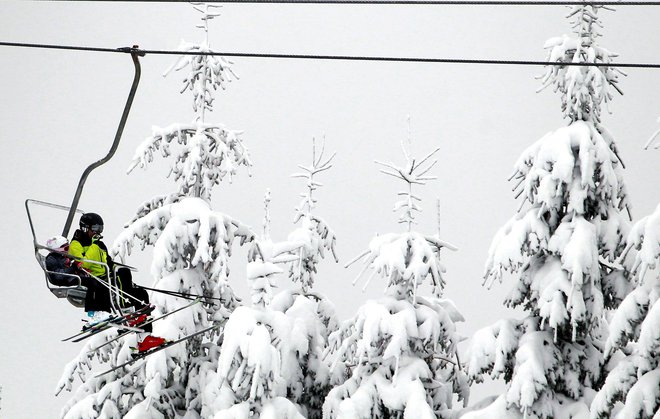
<point x="91" y="221"/>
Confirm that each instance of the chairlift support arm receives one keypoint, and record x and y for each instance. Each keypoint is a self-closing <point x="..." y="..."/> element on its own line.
<point x="120" y="129"/>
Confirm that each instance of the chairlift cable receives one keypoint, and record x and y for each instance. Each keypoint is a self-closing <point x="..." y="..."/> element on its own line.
<point x="417" y="2"/>
<point x="333" y="57"/>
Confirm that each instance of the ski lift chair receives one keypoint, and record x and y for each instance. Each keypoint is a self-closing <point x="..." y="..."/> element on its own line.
<point x="75" y="294"/>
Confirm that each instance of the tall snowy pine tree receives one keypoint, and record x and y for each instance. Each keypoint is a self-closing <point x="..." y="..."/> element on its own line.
<point x="192" y="244"/>
<point x="398" y="356"/>
<point x="311" y="313"/>
<point x="562" y="246"/>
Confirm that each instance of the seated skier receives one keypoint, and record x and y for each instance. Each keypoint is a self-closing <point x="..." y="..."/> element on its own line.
<point x="87" y="245"/>
<point x="61" y="270"/>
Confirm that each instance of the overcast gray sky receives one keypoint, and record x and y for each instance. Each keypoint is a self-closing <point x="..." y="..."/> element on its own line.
<point x="59" y="111"/>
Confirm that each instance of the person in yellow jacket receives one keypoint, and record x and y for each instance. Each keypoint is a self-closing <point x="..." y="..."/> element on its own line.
<point x="87" y="246"/>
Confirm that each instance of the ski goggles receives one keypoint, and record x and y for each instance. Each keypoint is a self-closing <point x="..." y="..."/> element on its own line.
<point x="96" y="228"/>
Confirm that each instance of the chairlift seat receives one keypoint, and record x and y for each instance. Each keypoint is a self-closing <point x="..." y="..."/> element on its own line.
<point x="73" y="294"/>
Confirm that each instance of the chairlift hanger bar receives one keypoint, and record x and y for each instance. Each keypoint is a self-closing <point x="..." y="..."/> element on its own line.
<point x="412" y="2"/>
<point x="143" y="52"/>
<point x="120" y="129"/>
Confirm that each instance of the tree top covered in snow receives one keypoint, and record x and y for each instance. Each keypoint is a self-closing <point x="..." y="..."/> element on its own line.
<point x="414" y="172"/>
<point x="314" y="236"/>
<point x="407" y="259"/>
<point x="207" y="72"/>
<point x="319" y="164"/>
<point x="583" y="88"/>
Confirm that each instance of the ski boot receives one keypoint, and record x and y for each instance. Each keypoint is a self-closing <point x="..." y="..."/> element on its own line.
<point x="150" y="342"/>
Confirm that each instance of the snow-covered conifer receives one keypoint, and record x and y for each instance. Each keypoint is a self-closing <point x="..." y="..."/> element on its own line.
<point x="192" y="244"/>
<point x="258" y="354"/>
<point x="562" y="245"/>
<point x="398" y="356"/>
<point x="270" y="359"/>
<point x="312" y="314"/>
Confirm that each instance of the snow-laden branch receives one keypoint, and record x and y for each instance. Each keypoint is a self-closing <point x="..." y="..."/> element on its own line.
<point x="645" y="238"/>
<point x="184" y="234"/>
<point x="203" y="155"/>
<point x="576" y="166"/>
<point x="405" y="261"/>
<point x="491" y="350"/>
<point x="401" y="359"/>
<point x="312" y="239"/>
<point x="263" y="261"/>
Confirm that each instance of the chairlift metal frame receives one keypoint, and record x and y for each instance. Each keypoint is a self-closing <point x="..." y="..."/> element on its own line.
<point x="76" y="294"/>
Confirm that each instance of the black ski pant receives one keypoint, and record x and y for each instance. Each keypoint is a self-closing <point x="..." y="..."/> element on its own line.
<point x="140" y="297"/>
<point x="98" y="295"/>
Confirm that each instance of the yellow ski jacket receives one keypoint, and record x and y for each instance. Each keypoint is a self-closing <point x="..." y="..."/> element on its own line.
<point x="82" y="247"/>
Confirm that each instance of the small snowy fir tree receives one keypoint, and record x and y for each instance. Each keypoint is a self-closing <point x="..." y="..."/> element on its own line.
<point x="258" y="352"/>
<point x="192" y="244"/>
<point x="311" y="314"/>
<point x="272" y="364"/>
<point x="562" y="247"/>
<point x="314" y="232"/>
<point x="398" y="356"/>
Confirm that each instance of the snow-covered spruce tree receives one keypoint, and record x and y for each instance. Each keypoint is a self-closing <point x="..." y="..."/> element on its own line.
<point x="192" y="244"/>
<point x="398" y="356"/>
<point x="312" y="315"/>
<point x="258" y="352"/>
<point x="562" y="246"/>
<point x="270" y="360"/>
